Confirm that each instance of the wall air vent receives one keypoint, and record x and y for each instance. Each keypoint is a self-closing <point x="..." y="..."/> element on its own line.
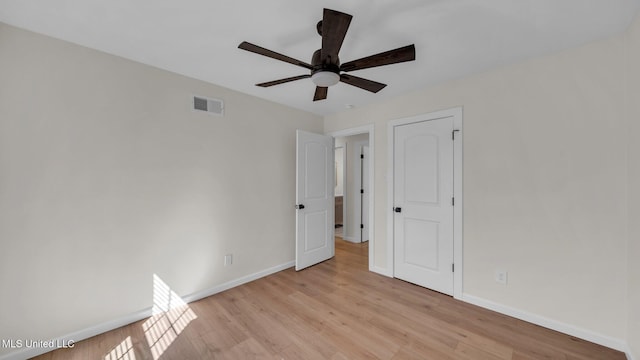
<point x="212" y="106"/>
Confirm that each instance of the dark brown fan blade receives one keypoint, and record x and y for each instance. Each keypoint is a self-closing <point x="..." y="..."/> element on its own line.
<point x="407" y="53"/>
<point x="272" y="54"/>
<point x="365" y="84"/>
<point x="282" y="81"/>
<point x="334" y="28"/>
<point x="321" y="93"/>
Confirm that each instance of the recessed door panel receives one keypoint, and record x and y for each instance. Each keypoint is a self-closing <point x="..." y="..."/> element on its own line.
<point x="316" y="157"/>
<point x="421" y="169"/>
<point x="315" y="231"/>
<point x="421" y="243"/>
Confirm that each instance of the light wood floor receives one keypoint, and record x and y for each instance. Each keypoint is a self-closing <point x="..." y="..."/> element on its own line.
<point x="334" y="310"/>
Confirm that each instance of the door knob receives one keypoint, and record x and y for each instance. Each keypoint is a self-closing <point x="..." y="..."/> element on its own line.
<point x="397" y="209"/>
<point x="300" y="207"/>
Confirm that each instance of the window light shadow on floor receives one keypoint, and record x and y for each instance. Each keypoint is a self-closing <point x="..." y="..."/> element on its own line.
<point x="170" y="316"/>
<point x="123" y="351"/>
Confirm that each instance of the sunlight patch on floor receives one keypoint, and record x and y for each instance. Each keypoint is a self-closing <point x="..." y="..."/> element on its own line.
<point x="123" y="351"/>
<point x="171" y="315"/>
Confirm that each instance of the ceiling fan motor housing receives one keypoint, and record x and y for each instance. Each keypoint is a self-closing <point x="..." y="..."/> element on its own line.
<point x="324" y="73"/>
<point x="320" y="65"/>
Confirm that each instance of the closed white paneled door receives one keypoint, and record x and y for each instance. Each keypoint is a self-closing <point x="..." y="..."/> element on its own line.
<point x="315" y="184"/>
<point x="423" y="203"/>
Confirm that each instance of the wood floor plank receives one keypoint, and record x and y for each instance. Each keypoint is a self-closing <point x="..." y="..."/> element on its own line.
<point x="465" y="351"/>
<point x="336" y="310"/>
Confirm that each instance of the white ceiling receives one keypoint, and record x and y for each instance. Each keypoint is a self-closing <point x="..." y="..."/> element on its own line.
<point x="198" y="38"/>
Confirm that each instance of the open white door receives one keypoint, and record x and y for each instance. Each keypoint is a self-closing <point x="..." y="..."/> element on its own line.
<point x="315" y="182"/>
<point x="365" y="193"/>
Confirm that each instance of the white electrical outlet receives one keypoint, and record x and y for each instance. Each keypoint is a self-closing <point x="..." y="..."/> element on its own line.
<point x="501" y="277"/>
<point x="228" y="259"/>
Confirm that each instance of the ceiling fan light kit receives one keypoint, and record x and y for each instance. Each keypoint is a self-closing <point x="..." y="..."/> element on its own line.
<point x="325" y="78"/>
<point x="325" y="68"/>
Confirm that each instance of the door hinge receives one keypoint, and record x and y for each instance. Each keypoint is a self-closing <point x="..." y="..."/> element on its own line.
<point x="361" y="156"/>
<point x="453" y="134"/>
<point x="361" y="191"/>
<point x="453" y="267"/>
<point x="453" y="201"/>
<point x="361" y="226"/>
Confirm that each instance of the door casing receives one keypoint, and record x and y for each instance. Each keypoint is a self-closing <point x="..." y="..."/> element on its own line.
<point x="367" y="129"/>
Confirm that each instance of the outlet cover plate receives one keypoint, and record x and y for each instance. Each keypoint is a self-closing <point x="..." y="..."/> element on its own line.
<point x="501" y="277"/>
<point x="228" y="259"/>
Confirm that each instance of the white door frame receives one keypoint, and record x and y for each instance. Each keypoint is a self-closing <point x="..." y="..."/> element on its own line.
<point x="456" y="113"/>
<point x="344" y="185"/>
<point x="363" y="206"/>
<point x="356" y="158"/>
<point x="366" y="129"/>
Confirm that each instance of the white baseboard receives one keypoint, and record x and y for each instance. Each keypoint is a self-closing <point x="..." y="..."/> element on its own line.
<point x="237" y="282"/>
<point x="584" y="334"/>
<point x="142" y="314"/>
<point x="629" y="354"/>
<point x="352" y="239"/>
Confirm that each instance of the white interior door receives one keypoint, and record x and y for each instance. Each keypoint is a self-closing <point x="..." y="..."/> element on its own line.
<point x="365" y="193"/>
<point x="314" y="199"/>
<point x="423" y="208"/>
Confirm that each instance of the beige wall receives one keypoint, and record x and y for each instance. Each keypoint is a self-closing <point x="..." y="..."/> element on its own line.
<point x="544" y="182"/>
<point x="633" y="102"/>
<point x="107" y="177"/>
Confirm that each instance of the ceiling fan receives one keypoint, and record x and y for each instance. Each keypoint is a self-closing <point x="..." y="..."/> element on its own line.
<point x="325" y="66"/>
